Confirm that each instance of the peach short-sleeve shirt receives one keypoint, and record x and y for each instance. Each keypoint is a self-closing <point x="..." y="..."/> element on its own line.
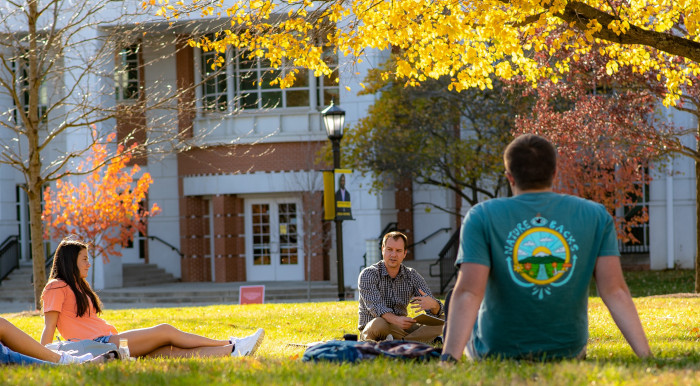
<point x="58" y="296"/>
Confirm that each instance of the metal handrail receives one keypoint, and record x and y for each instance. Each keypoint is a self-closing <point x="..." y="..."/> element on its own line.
<point x="49" y="261"/>
<point x="9" y="256"/>
<point x="48" y="265"/>
<point x="446" y="262"/>
<point x="156" y="238"/>
<point x="7" y="241"/>
<point x="392" y="226"/>
<point x="425" y="239"/>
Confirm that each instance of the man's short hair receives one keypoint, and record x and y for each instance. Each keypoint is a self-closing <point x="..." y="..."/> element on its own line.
<point x="395" y="235"/>
<point x="532" y="161"/>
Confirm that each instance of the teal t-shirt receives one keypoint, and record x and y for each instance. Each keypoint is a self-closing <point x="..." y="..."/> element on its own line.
<point x="541" y="249"/>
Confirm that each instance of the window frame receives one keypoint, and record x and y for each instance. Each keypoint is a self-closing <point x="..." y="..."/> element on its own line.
<point x="236" y="93"/>
<point x="123" y="69"/>
<point x="19" y="63"/>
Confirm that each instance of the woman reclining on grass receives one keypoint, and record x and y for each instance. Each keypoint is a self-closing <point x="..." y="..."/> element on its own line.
<point x="16" y="347"/>
<point x="70" y="305"/>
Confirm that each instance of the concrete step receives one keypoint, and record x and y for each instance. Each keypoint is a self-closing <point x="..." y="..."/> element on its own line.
<point x="9" y="298"/>
<point x="138" y="275"/>
<point x="17" y="287"/>
<point x="192" y="294"/>
<point x="19" y="277"/>
<point x="217" y="293"/>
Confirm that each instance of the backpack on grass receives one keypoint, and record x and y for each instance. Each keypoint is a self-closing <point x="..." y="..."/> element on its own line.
<point x="351" y="351"/>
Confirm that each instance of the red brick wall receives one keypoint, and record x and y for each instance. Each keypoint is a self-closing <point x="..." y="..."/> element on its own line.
<point x="404" y="207"/>
<point x="316" y="237"/>
<point x="285" y="156"/>
<point x="194" y="227"/>
<point x="194" y="223"/>
<point x="229" y="242"/>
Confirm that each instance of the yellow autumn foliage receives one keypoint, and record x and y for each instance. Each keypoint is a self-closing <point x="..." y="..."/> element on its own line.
<point x="470" y="41"/>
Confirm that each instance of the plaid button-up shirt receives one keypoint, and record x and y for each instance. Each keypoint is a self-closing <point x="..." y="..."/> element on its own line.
<point x="380" y="293"/>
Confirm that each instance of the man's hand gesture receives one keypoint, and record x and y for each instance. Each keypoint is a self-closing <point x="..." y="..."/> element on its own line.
<point x="424" y="302"/>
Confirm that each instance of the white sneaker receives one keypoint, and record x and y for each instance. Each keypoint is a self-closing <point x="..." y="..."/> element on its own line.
<point x="248" y="345"/>
<point x="67" y="359"/>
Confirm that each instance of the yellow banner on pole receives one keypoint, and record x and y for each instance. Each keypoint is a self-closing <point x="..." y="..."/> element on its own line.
<point x="328" y="195"/>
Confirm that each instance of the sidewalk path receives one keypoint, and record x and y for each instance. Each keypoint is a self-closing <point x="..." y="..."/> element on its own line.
<point x="181" y="294"/>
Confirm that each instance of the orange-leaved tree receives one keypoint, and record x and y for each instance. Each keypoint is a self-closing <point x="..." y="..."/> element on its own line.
<point x="607" y="133"/>
<point x="106" y="208"/>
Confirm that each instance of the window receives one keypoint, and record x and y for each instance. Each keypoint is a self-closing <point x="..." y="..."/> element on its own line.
<point x="253" y="76"/>
<point x="214" y="90"/>
<point x="126" y="74"/>
<point x="641" y="231"/>
<point x="261" y="234"/>
<point x="289" y="243"/>
<point x="24" y="224"/>
<point x="243" y="83"/>
<point x="327" y="89"/>
<point x="20" y="68"/>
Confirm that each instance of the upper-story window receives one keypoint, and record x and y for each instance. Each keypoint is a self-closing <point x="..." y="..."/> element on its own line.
<point x="20" y="68"/>
<point x="214" y="84"/>
<point x="254" y="76"/>
<point x="327" y="89"/>
<point x="127" y="73"/>
<point x="243" y="83"/>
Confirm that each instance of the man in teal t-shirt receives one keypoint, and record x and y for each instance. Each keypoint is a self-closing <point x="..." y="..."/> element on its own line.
<point x="530" y="258"/>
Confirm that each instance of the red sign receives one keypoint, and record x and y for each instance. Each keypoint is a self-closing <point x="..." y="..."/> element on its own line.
<point x="251" y="294"/>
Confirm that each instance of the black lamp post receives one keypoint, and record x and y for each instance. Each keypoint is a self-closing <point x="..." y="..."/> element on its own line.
<point x="334" y="120"/>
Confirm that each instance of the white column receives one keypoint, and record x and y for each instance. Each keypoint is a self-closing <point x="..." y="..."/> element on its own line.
<point x="670" y="250"/>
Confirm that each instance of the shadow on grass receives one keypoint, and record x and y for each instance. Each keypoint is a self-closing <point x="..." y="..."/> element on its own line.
<point x="673" y="282"/>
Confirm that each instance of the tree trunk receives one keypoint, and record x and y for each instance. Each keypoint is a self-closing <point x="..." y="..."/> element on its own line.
<point x="35" y="182"/>
<point x="697" y="216"/>
<point x="36" y="231"/>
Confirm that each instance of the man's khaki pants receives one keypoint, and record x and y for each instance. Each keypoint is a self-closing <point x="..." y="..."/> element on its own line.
<point x="378" y="329"/>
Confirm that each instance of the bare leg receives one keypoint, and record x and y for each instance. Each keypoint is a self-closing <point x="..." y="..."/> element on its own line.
<point x="176" y="352"/>
<point x="144" y="341"/>
<point x="17" y="340"/>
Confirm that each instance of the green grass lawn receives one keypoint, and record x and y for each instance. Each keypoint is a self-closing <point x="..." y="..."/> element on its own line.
<point x="672" y="325"/>
<point x="648" y="283"/>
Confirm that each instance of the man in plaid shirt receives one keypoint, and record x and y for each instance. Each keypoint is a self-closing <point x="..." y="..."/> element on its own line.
<point x="386" y="289"/>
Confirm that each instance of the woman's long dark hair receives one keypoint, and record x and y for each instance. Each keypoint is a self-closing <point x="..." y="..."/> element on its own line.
<point x="65" y="267"/>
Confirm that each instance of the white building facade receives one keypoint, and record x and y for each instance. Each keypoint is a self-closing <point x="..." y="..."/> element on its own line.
<point x="243" y="201"/>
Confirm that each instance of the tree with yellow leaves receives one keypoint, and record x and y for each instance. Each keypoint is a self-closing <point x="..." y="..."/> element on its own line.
<point x="471" y="42"/>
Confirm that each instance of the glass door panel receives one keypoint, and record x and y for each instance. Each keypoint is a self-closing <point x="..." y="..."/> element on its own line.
<point x="273" y="240"/>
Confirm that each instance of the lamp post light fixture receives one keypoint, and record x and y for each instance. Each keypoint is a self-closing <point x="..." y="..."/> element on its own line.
<point x="334" y="120"/>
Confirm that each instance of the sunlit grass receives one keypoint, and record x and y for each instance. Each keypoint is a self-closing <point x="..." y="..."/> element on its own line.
<point x="671" y="323"/>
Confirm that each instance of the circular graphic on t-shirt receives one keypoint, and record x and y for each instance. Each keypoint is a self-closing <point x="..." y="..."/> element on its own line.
<point x="541" y="255"/>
